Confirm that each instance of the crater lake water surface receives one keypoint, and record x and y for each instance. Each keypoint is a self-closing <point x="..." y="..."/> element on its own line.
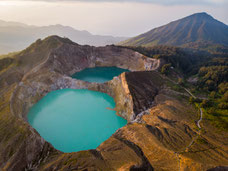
<point x="99" y="74"/>
<point x="75" y="120"/>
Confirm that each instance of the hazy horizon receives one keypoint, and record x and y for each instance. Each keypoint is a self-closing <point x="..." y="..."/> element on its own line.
<point x="106" y="17"/>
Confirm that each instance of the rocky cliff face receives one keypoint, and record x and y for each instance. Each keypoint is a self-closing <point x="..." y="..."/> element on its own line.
<point x="160" y="121"/>
<point x="54" y="71"/>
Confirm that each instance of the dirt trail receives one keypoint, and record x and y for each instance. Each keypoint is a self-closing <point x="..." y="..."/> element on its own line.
<point x="201" y="117"/>
<point x="197" y="124"/>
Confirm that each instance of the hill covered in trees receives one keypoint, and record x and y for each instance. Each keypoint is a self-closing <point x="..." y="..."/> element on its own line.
<point x="204" y="73"/>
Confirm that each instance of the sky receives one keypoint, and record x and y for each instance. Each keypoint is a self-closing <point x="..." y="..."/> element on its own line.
<point x="109" y="17"/>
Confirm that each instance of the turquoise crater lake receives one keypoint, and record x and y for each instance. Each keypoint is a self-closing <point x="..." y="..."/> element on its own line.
<point x="99" y="74"/>
<point x="75" y="120"/>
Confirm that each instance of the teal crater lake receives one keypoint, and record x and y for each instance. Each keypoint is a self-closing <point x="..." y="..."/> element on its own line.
<point x="99" y="74"/>
<point x="75" y="120"/>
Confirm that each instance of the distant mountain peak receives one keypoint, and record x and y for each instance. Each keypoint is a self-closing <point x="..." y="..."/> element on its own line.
<point x="201" y="16"/>
<point x="17" y="36"/>
<point x="199" y="28"/>
<point x="11" y="23"/>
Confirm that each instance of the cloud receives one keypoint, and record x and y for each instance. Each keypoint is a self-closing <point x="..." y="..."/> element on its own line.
<point x="159" y="2"/>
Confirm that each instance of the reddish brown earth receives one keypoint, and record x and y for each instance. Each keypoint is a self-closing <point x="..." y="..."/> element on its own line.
<point x="161" y="122"/>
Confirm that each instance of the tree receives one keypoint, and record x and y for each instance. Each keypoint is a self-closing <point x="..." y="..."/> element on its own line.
<point x="157" y="56"/>
<point x="223" y="87"/>
<point x="223" y="105"/>
<point x="225" y="97"/>
<point x="212" y="95"/>
<point x="191" y="100"/>
<point x="205" y="103"/>
<point x="180" y="81"/>
<point x="210" y="85"/>
<point x="165" y="68"/>
<point x="211" y="110"/>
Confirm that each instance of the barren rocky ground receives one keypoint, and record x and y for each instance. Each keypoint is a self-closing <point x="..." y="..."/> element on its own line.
<point x="161" y="122"/>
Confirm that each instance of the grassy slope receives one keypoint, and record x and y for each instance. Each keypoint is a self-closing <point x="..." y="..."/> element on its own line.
<point x="158" y="137"/>
<point x="197" y="29"/>
<point x="14" y="132"/>
<point x="14" y="66"/>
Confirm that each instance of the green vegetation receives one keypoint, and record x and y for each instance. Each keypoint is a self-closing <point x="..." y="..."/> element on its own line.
<point x="165" y="68"/>
<point x="13" y="67"/>
<point x="5" y="63"/>
<point x="206" y="62"/>
<point x="7" y="60"/>
<point x="9" y="55"/>
<point x="218" y="117"/>
<point x="194" y="100"/>
<point x="212" y="76"/>
<point x="185" y="61"/>
<point x="213" y="79"/>
<point x="210" y="71"/>
<point x="37" y="52"/>
<point x="208" y="34"/>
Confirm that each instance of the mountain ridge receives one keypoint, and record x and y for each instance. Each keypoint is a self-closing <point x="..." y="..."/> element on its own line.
<point x="17" y="36"/>
<point x="197" y="28"/>
<point x="162" y="122"/>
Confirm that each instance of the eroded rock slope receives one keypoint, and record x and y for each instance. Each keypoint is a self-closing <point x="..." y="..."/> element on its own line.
<point x="161" y="123"/>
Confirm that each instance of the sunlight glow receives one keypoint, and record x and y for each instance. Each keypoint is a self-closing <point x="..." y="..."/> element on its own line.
<point x="6" y="3"/>
<point x="107" y="18"/>
<point x="14" y="3"/>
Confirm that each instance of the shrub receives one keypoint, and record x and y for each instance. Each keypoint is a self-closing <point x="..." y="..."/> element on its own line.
<point x="205" y="103"/>
<point x="213" y="95"/>
<point x="165" y="68"/>
<point x="180" y="81"/>
<point x="225" y="97"/>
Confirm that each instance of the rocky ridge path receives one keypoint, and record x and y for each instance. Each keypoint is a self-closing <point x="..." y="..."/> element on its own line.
<point x="33" y="70"/>
<point x="194" y="139"/>
<point x="197" y="123"/>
